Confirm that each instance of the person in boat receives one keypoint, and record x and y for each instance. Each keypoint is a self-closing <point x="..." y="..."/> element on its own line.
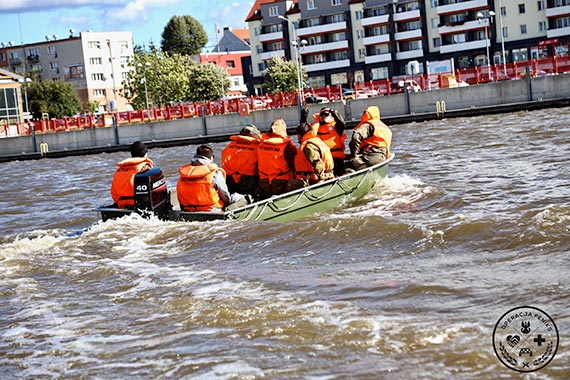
<point x="275" y="160"/>
<point x="239" y="160"/>
<point x="329" y="127"/>
<point x="202" y="185"/>
<point x="122" y="187"/>
<point x="314" y="162"/>
<point x="371" y="139"/>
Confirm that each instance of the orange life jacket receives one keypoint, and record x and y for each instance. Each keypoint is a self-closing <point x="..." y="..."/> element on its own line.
<point x="303" y="167"/>
<point x="271" y="158"/>
<point x="240" y="157"/>
<point x="195" y="188"/>
<point x="122" y="188"/>
<point x="382" y="136"/>
<point x="328" y="134"/>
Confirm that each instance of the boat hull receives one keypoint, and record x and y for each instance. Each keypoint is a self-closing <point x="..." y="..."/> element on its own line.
<point x="304" y="202"/>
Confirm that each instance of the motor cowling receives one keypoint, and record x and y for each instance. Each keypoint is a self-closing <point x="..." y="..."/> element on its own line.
<point x="150" y="191"/>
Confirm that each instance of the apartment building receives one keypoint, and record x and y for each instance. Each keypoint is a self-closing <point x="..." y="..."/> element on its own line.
<point x="348" y="41"/>
<point x="94" y="63"/>
<point x="230" y="52"/>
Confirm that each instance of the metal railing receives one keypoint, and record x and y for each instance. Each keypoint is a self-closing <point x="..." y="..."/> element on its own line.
<point x="472" y="76"/>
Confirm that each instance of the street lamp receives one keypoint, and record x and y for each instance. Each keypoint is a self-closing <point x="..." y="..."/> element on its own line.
<point x="146" y="64"/>
<point x="295" y="44"/>
<point x="487" y="21"/>
<point x="502" y="38"/>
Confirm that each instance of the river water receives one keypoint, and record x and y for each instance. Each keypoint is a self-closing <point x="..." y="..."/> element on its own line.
<point x="472" y="221"/>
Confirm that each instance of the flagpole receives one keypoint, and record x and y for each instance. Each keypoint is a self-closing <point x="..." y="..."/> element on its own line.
<point x="220" y="60"/>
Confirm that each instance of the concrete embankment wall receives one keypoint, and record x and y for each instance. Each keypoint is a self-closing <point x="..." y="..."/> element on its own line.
<point x="547" y="91"/>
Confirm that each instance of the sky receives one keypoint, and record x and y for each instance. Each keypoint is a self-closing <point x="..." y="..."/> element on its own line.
<point x="29" y="21"/>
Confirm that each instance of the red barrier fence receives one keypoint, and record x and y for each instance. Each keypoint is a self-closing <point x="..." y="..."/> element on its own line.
<point x="464" y="77"/>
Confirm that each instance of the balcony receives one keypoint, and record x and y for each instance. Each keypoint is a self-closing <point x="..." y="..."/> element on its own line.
<point x="405" y="16"/>
<point x="376" y="40"/>
<point x="329" y="46"/>
<point x="386" y="57"/>
<point x="480" y="44"/>
<point x="270" y="54"/>
<point x="327" y="65"/>
<point x="409" y="35"/>
<point x="463" y="6"/>
<point x="466" y="26"/>
<point x="558" y="11"/>
<point x="405" y="55"/>
<point x="321" y="29"/>
<point x="551" y="33"/>
<point x="15" y="61"/>
<point x="34" y="58"/>
<point x="376" y="20"/>
<point x="274" y="36"/>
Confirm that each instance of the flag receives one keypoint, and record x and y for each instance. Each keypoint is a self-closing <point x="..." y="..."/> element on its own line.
<point x="218" y="30"/>
<point x="227" y="50"/>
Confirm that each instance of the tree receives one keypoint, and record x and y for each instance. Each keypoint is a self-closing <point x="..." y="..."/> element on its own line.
<point x="183" y="35"/>
<point x="166" y="78"/>
<point x="281" y="76"/>
<point x="54" y="97"/>
<point x="206" y="82"/>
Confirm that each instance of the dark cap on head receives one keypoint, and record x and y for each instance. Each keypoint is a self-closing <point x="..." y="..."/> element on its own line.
<point x="138" y="149"/>
<point x="205" y="151"/>
<point x="250" y="130"/>
<point x="302" y="129"/>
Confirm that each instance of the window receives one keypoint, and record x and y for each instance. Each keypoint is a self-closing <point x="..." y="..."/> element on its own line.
<point x="236" y="81"/>
<point x="520" y="55"/>
<point x="361" y="53"/>
<point x="437" y="42"/>
<point x="53" y="66"/>
<point x="257" y="31"/>
<point x="523" y="29"/>
<point x="51" y="49"/>
<point x="359" y="15"/>
<point x="339" y="17"/>
<point x="335" y="3"/>
<point x="261" y="66"/>
<point x="98" y="77"/>
<point x="9" y="105"/>
<point x="33" y="52"/>
<point x="521" y="8"/>
<point x="360" y="34"/>
<point x="231" y="64"/>
<point x="434" y="22"/>
<point x="311" y="4"/>
<point x="542" y="26"/>
<point x="94" y="45"/>
<point x="99" y="93"/>
<point x="505" y="32"/>
<point x="2" y="56"/>
<point x="273" y="11"/>
<point x="124" y="60"/>
<point x="124" y="46"/>
<point x="96" y="60"/>
<point x="540" y="5"/>
<point x="379" y="73"/>
<point x="503" y="11"/>
<point x="340" y="55"/>
<point x="339" y="37"/>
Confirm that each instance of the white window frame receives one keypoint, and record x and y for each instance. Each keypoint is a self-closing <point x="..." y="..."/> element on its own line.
<point x="336" y="3"/>
<point x="273" y="11"/>
<point x="311" y="4"/>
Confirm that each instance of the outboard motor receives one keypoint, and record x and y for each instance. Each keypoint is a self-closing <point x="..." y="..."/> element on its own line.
<point x="150" y="192"/>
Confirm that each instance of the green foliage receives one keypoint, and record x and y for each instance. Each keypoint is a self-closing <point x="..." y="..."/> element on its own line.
<point x="170" y="79"/>
<point x="166" y="79"/>
<point x="54" y="97"/>
<point x="206" y="82"/>
<point x="281" y="76"/>
<point x="92" y="107"/>
<point x="183" y="35"/>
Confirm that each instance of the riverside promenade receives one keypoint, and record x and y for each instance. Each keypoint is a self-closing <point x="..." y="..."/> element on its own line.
<point x="552" y="91"/>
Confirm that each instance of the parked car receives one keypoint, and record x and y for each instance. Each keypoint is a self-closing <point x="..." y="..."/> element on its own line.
<point x="411" y="84"/>
<point x="312" y="98"/>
